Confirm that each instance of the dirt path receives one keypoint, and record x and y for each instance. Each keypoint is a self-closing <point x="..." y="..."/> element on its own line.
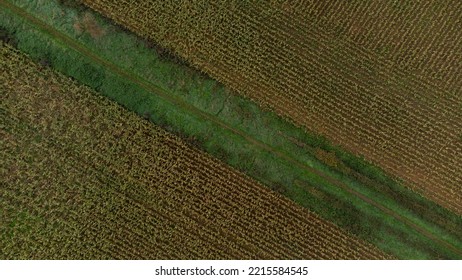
<point x="69" y="42"/>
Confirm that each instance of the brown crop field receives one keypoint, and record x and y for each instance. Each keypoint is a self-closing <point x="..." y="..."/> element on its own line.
<point x="379" y="78"/>
<point x="82" y="177"/>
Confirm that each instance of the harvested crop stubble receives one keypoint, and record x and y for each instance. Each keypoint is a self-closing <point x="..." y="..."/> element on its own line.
<point x="82" y="177"/>
<point x="380" y="78"/>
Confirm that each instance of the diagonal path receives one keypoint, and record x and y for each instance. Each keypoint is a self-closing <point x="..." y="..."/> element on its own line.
<point x="69" y="42"/>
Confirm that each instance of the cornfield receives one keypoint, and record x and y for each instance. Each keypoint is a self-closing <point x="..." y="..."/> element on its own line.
<point x="379" y="78"/>
<point x="82" y="177"/>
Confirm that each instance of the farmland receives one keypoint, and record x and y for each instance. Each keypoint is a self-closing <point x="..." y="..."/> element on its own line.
<point x="93" y="60"/>
<point x="379" y="78"/>
<point x="79" y="168"/>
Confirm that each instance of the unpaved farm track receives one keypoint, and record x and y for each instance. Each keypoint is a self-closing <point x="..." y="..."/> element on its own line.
<point x="380" y="78"/>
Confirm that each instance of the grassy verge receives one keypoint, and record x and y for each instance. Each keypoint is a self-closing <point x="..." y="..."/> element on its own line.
<point x="309" y="189"/>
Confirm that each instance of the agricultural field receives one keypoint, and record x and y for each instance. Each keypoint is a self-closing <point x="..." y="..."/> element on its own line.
<point x="379" y="78"/>
<point x="84" y="178"/>
<point x="304" y="167"/>
<point x="337" y="186"/>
